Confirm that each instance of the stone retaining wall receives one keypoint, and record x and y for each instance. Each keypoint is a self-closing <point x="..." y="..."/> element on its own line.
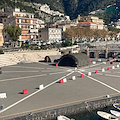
<point x="12" y="58"/>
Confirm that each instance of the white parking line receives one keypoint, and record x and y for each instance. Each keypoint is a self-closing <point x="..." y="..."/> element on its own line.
<point x="27" y="67"/>
<point x="11" y="79"/>
<point x="17" y="71"/>
<point x="102" y="83"/>
<point x="109" y="75"/>
<point x="92" y="65"/>
<point x="33" y="93"/>
<point x="57" y="73"/>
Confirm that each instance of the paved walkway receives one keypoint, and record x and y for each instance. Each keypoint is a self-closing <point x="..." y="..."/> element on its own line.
<point x="16" y="78"/>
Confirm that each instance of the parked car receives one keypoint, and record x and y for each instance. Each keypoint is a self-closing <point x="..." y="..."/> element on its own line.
<point x="0" y="71"/>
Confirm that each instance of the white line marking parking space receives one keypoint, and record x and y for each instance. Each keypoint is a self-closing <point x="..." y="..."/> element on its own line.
<point x="102" y="83"/>
<point x="26" y="77"/>
<point x="26" y="67"/>
<point x="110" y="75"/>
<point x="11" y="79"/>
<point x="34" y="93"/>
<point x="17" y="71"/>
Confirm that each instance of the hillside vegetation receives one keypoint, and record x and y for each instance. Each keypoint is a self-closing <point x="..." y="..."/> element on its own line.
<point x="73" y="7"/>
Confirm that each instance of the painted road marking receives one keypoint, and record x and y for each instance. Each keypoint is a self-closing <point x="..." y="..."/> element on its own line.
<point x="57" y="73"/>
<point x="34" y="93"/>
<point x="11" y="79"/>
<point x="92" y="65"/>
<point x="68" y="103"/>
<point x="109" y="75"/>
<point x="52" y="70"/>
<point x="17" y="71"/>
<point x="102" y="83"/>
<point x="27" y="67"/>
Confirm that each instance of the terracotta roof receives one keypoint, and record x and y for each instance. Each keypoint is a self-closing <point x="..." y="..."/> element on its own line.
<point x="86" y="23"/>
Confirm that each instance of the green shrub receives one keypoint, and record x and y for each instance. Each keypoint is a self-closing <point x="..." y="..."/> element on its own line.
<point x="1" y="51"/>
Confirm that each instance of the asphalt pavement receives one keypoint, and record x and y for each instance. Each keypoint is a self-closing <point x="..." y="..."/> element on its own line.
<point x="16" y="78"/>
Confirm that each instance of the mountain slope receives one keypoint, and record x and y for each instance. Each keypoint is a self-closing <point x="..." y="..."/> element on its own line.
<point x="71" y="8"/>
<point x="83" y="7"/>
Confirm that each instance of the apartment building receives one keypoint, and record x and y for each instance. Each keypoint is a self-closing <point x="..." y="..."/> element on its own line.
<point x="99" y="22"/>
<point x="1" y="35"/>
<point x="26" y="21"/>
<point x="91" y="21"/>
<point x="50" y="35"/>
<point x="90" y="25"/>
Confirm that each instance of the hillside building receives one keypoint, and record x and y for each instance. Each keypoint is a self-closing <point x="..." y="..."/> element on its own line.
<point x="91" y="22"/>
<point x="26" y="21"/>
<point x="1" y="35"/>
<point x="45" y="8"/>
<point x="50" y="35"/>
<point x="90" y="25"/>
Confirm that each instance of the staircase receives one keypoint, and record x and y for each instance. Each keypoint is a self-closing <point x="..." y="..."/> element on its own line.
<point x="8" y="59"/>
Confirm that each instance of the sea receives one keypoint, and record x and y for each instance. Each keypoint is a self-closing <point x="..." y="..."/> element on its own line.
<point x="91" y="115"/>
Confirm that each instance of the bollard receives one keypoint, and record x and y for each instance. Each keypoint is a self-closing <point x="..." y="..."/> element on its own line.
<point x="108" y="68"/>
<point x="82" y="75"/>
<point x="41" y="87"/>
<point x="76" y="68"/>
<point x="73" y="78"/>
<point x="94" y="62"/>
<point x="117" y="66"/>
<point x="61" y="81"/>
<point x="96" y="71"/>
<point x="56" y="64"/>
<point x="103" y="70"/>
<point x="104" y="62"/>
<point x="64" y="80"/>
<point x="89" y="73"/>
<point x="108" y="60"/>
<point x="108" y="96"/>
<point x="3" y="95"/>
<point x="113" y="67"/>
<point x="111" y="62"/>
<point x="99" y="60"/>
<point x="25" y="91"/>
<point x="90" y="60"/>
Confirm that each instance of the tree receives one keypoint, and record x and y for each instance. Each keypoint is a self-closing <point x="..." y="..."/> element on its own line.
<point x="13" y="31"/>
<point x="78" y="33"/>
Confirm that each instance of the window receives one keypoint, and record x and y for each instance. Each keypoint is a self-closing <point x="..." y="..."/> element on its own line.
<point x="39" y="35"/>
<point x="4" y="20"/>
<point x="17" y="20"/>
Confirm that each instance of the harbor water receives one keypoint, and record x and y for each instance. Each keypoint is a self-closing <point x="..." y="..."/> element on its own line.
<point x="91" y="115"/>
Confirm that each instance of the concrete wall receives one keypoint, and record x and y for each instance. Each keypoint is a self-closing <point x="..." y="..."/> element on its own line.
<point x="69" y="110"/>
<point x="11" y="58"/>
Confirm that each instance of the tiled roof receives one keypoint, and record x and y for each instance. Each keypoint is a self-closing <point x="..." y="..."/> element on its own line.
<point x="86" y="23"/>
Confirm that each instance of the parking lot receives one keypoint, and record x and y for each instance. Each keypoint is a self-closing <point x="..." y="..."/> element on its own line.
<point x="14" y="79"/>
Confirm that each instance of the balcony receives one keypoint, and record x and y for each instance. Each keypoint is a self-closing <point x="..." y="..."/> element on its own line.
<point x="33" y="30"/>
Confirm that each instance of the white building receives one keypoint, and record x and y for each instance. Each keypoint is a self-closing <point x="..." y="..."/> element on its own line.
<point x="45" y="8"/>
<point x="50" y="35"/>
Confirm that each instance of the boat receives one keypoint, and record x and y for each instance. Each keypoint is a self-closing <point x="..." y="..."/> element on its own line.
<point x="107" y="116"/>
<point x="116" y="113"/>
<point x="62" y="117"/>
<point x="117" y="106"/>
